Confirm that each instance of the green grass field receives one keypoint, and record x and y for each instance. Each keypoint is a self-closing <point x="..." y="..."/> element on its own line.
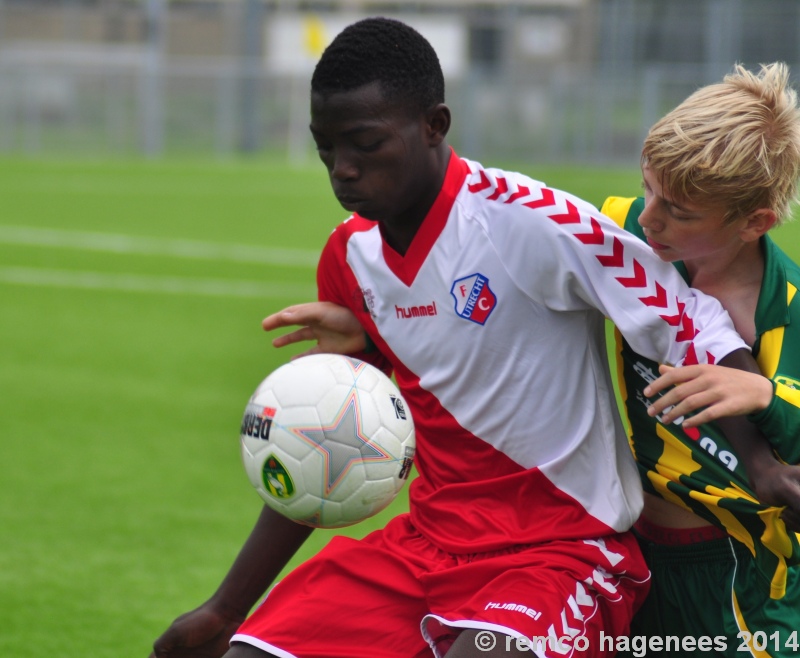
<point x="132" y="294"/>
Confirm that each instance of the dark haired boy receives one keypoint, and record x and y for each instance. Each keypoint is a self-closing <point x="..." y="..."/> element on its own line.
<point x="517" y="536"/>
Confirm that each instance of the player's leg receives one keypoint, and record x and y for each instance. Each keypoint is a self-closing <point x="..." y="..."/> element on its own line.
<point x="690" y="589"/>
<point x="766" y="611"/>
<point x="473" y="643"/>
<point x="469" y="644"/>
<point x="354" y="599"/>
<point x="550" y="600"/>
<point x="240" y="650"/>
<point x="692" y="599"/>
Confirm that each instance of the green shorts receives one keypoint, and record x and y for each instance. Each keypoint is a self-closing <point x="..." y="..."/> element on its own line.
<point x="710" y="599"/>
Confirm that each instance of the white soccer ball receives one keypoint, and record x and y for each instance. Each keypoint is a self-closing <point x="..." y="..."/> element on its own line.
<point x="327" y="440"/>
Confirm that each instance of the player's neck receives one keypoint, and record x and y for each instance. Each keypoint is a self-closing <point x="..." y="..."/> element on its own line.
<point x="727" y="270"/>
<point x="400" y="236"/>
<point x="735" y="280"/>
<point x="399" y="231"/>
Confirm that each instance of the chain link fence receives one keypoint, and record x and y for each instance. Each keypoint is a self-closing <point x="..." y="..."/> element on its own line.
<point x="544" y="80"/>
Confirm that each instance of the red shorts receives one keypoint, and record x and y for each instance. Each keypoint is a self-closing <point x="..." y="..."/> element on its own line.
<point x="395" y="595"/>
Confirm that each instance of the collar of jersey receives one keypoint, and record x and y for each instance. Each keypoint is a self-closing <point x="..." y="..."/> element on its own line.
<point x="406" y="267"/>
<point x="772" y="309"/>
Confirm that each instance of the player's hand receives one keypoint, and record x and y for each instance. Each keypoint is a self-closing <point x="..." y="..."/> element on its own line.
<point x="721" y="391"/>
<point x="201" y="633"/>
<point x="335" y="328"/>
<point x="778" y="485"/>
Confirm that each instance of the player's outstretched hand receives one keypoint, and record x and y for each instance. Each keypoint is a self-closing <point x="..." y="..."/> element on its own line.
<point x="201" y="633"/>
<point x="717" y="390"/>
<point x="335" y="328"/>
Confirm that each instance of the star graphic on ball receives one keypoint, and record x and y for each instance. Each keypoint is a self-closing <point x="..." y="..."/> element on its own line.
<point x="342" y="443"/>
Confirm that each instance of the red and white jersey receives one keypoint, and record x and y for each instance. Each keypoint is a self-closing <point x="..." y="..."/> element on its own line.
<point x="493" y="322"/>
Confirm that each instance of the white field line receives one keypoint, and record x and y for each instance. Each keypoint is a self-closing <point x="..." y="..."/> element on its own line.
<point x="155" y="284"/>
<point x="144" y="246"/>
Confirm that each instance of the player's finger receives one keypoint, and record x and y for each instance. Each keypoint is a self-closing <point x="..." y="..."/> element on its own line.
<point x="164" y="646"/>
<point x="297" y="336"/>
<point x="670" y="377"/>
<point x="676" y="396"/>
<point x="686" y="406"/>
<point x="277" y="320"/>
<point x="308" y="313"/>
<point x="705" y="416"/>
<point x="292" y="315"/>
<point x="791" y="511"/>
<point x="159" y="652"/>
<point x="669" y="412"/>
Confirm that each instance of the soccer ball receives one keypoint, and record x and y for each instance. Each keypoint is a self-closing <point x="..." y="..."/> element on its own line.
<point x="327" y="440"/>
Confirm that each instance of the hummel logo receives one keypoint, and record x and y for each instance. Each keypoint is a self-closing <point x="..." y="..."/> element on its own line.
<point x="406" y="312"/>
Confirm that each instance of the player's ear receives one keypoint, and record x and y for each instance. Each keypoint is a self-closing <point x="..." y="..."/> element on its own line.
<point x="438" y="123"/>
<point x="758" y="223"/>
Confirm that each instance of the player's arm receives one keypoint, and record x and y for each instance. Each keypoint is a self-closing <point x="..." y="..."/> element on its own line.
<point x="772" y="404"/>
<point x="765" y="472"/>
<point x="781" y="422"/>
<point x="583" y="259"/>
<point x="587" y="258"/>
<point x="774" y="483"/>
<point x="207" y="630"/>
<point x="719" y="390"/>
<point x="332" y="321"/>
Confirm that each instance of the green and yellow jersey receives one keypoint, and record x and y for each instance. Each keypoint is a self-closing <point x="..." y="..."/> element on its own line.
<point x="697" y="468"/>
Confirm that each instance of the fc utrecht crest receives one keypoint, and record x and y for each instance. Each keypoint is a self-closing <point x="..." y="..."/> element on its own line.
<point x="475" y="301"/>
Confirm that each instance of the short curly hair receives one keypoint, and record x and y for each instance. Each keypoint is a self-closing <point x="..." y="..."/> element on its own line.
<point x="386" y="51"/>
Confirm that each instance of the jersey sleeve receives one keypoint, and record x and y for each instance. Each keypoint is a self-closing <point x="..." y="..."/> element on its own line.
<point x="336" y="284"/>
<point x="779" y="359"/>
<point x="780" y="421"/>
<point x="568" y="256"/>
<point x="331" y="282"/>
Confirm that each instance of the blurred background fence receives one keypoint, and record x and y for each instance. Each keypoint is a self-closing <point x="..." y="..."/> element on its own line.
<point x="539" y="80"/>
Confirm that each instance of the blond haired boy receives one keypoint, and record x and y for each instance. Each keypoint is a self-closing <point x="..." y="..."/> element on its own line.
<point x="719" y="172"/>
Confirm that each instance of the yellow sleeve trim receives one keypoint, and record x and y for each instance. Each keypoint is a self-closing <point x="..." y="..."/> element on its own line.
<point x="769" y="354"/>
<point x="617" y="208"/>
<point x="790" y="395"/>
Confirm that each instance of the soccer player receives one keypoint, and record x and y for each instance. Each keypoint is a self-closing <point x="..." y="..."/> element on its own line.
<point x="485" y="293"/>
<point x="720" y="171"/>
